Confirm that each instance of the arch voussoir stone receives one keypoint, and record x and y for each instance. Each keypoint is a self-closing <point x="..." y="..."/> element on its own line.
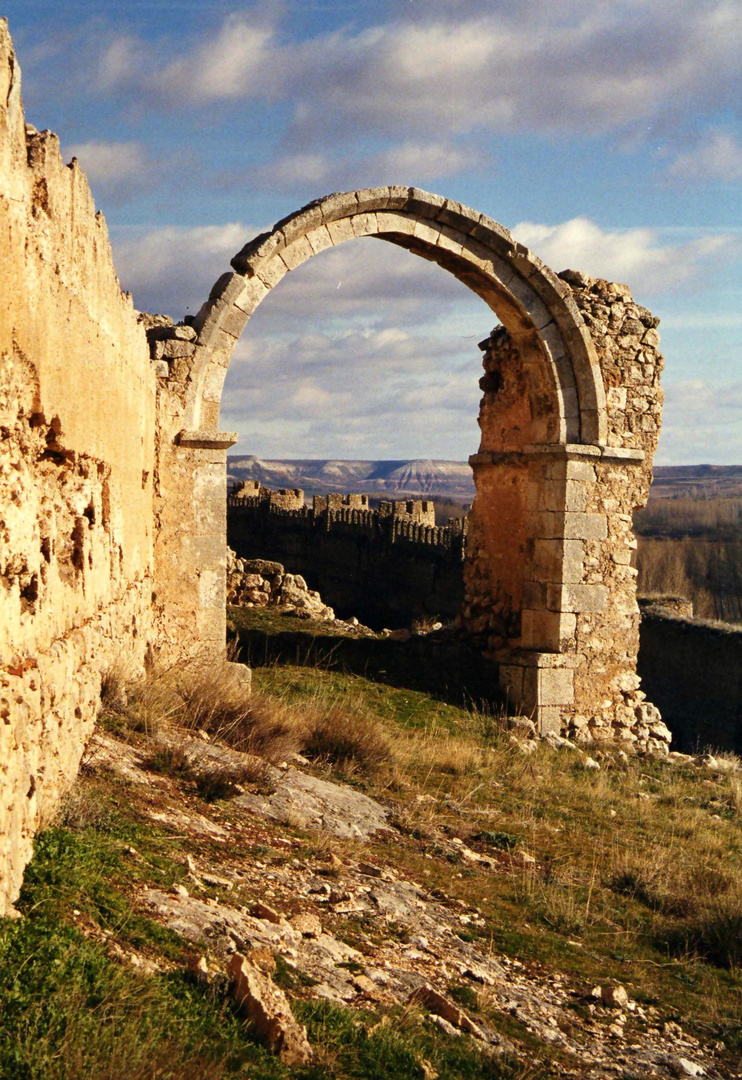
<point x="539" y="583"/>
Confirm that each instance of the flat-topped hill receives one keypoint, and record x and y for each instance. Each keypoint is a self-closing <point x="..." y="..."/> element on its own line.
<point x="315" y="477"/>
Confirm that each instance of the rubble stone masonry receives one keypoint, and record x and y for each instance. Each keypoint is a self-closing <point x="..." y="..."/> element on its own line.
<point x="77" y="412"/>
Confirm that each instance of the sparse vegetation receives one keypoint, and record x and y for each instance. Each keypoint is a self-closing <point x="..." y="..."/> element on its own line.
<point x="629" y="874"/>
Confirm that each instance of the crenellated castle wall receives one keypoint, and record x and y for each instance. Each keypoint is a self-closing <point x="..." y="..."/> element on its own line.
<point x="387" y="566"/>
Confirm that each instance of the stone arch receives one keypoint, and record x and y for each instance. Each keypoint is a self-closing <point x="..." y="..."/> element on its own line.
<point x="533" y="304"/>
<point x="550" y="596"/>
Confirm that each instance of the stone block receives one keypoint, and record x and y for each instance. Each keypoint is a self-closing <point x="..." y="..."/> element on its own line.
<point x="511" y="682"/>
<point x="319" y="239"/>
<point x="585" y="526"/>
<point x="364" y="225"/>
<point x="450" y="239"/>
<point x="271" y="271"/>
<point x="388" y="221"/>
<point x="534" y="594"/>
<point x="549" y="687"/>
<point x="549" y="719"/>
<point x="338" y="206"/>
<point x="548" y="630"/>
<point x="297" y="252"/>
<point x="575" y="598"/>
<point x="558" y="561"/>
<point x="252" y="292"/>
<point x="171" y="350"/>
<point x="341" y="230"/>
<point x="233" y="321"/>
<point x="570" y="469"/>
<point x="370" y="199"/>
<point x="427" y="232"/>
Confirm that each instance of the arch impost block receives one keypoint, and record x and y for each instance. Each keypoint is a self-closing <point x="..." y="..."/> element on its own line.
<point x="565" y="450"/>
<point x="568" y="451"/>
<point x="495" y="457"/>
<point x="207" y="440"/>
<point x="622" y="453"/>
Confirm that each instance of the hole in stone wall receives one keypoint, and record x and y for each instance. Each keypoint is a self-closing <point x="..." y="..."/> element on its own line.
<point x="29" y="595"/>
<point x="77" y="557"/>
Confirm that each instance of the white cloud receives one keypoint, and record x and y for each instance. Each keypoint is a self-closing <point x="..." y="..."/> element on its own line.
<point x="417" y="163"/>
<point x="635" y="256"/>
<point x="293" y="171"/>
<point x="172" y="269"/>
<point x="702" y="423"/>
<point x="718" y="156"/>
<point x="110" y="163"/>
<point x="236" y="62"/>
<point x="439" y="70"/>
<point x="412" y="163"/>
<point x="354" y="392"/>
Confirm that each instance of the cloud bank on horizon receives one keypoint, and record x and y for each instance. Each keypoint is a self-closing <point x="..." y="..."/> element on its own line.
<point x="605" y="136"/>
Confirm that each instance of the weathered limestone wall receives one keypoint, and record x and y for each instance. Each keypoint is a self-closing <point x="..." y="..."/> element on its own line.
<point x="76" y="464"/>
<point x="549" y="581"/>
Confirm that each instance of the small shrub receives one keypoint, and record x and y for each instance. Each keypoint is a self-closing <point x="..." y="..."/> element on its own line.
<point x="345" y="736"/>
<point x="502" y="841"/>
<point x="465" y="996"/>
<point x="215" y="784"/>
<point x="714" y="932"/>
<point x="171" y="761"/>
<point x="217" y="702"/>
<point x="83" y="809"/>
<point x="114" y="696"/>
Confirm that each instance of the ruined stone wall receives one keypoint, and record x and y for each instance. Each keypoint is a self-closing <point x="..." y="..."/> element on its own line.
<point x="386" y="570"/>
<point x="549" y="570"/>
<point x="76" y="464"/>
<point x="692" y="670"/>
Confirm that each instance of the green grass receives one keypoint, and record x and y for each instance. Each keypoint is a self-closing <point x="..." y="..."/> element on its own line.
<point x="646" y="892"/>
<point x="70" y="1009"/>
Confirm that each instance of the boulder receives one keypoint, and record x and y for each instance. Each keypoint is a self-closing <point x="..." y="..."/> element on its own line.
<point x="267" y="1010"/>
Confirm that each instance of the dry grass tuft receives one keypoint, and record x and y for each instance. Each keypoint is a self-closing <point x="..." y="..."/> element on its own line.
<point x="345" y="735"/>
<point x="216" y="701"/>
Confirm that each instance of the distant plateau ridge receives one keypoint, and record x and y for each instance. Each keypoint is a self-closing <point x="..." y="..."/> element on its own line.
<point x="448" y="479"/>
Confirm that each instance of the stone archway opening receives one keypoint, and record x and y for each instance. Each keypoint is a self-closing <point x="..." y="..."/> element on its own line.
<point x="363" y="352"/>
<point x="550" y="596"/>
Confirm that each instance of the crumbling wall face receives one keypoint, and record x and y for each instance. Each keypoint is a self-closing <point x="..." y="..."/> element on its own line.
<point x="494" y="569"/>
<point x="607" y="640"/>
<point x="76" y="462"/>
<point x="550" y="585"/>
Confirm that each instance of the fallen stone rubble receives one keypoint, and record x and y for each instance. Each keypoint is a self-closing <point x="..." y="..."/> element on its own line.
<point x="261" y="583"/>
<point x="414" y="946"/>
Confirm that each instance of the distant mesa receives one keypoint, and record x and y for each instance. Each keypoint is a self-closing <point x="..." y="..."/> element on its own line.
<point x="451" y="479"/>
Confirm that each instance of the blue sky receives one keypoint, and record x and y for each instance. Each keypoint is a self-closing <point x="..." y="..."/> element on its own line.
<point x="606" y="135"/>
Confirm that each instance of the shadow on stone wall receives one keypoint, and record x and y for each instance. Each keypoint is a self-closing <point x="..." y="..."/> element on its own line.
<point x="692" y="671"/>
<point x="441" y="664"/>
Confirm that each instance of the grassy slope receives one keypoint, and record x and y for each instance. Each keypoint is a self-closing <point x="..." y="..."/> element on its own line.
<point x="637" y="879"/>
